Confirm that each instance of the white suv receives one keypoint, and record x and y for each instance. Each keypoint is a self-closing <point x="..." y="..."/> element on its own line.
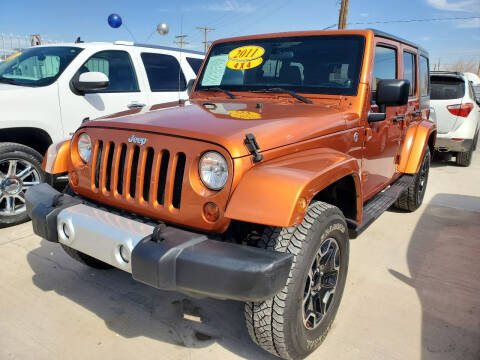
<point x="456" y="111"/>
<point x="47" y="91"/>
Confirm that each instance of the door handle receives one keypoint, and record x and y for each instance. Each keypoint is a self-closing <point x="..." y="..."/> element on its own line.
<point x="135" y="105"/>
<point x="398" y="118"/>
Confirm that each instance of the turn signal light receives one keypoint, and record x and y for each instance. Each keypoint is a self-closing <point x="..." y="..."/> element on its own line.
<point x="211" y="211"/>
<point x="302" y="205"/>
<point x="460" y="109"/>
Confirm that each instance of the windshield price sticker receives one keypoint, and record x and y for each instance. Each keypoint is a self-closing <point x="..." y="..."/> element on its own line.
<point x="245" y="57"/>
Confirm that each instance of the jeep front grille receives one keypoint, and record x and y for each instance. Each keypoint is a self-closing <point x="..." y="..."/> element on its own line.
<point x="158" y="180"/>
<point x="139" y="173"/>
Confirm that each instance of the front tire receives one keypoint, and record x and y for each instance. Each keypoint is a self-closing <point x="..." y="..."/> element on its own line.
<point x="296" y="321"/>
<point x="20" y="169"/>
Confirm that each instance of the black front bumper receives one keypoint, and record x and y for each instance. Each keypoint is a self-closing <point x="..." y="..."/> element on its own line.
<point x="180" y="260"/>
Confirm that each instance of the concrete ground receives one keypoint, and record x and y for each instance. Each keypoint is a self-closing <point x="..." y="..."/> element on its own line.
<point x="413" y="292"/>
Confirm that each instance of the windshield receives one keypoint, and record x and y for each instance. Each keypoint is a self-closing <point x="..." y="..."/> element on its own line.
<point x="37" y="66"/>
<point x="325" y="64"/>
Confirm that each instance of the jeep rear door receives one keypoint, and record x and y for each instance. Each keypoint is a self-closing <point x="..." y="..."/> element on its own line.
<point x="382" y="144"/>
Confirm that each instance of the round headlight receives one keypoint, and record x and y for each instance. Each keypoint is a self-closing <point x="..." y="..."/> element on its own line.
<point x="213" y="170"/>
<point x="84" y="147"/>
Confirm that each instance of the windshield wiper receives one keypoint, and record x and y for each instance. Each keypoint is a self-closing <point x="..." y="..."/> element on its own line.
<point x="216" y="88"/>
<point x="289" y="92"/>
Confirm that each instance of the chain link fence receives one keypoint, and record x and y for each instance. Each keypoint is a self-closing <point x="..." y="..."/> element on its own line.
<point x="11" y="44"/>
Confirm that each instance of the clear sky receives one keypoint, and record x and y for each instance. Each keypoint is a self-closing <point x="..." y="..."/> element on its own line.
<point x="66" y="19"/>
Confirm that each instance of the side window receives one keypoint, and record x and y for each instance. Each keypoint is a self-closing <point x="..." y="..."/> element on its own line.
<point x="163" y="72"/>
<point x="410" y="72"/>
<point x="385" y="65"/>
<point x="424" y="80"/>
<point x="117" y="65"/>
<point x="195" y="64"/>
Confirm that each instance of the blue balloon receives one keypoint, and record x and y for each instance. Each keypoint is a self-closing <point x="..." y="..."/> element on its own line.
<point x="114" y="20"/>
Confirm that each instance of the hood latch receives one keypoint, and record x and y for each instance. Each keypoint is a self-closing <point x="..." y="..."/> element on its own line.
<point x="252" y="146"/>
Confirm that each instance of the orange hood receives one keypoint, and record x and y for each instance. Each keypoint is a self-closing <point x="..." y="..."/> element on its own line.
<point x="226" y="123"/>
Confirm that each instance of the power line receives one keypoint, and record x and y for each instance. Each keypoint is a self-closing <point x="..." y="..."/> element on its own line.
<point x="205" y="30"/>
<point x="235" y="17"/>
<point x="275" y="8"/>
<point x="405" y="21"/>
<point x="181" y="40"/>
<point x="416" y="20"/>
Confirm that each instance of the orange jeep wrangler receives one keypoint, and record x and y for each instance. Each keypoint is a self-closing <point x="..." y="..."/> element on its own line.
<point x="290" y="145"/>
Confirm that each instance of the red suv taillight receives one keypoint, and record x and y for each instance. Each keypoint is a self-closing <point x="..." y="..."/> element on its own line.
<point x="460" y="109"/>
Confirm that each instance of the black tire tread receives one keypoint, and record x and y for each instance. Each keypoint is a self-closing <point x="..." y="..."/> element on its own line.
<point x="264" y="319"/>
<point x="464" y="158"/>
<point x="408" y="199"/>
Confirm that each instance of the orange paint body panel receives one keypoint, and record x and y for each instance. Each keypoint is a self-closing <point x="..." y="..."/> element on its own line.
<point x="271" y="191"/>
<point x="57" y="159"/>
<point x="416" y="140"/>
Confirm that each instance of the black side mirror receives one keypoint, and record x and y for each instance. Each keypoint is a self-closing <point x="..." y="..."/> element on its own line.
<point x="392" y="93"/>
<point x="389" y="93"/>
<point x="190" y="86"/>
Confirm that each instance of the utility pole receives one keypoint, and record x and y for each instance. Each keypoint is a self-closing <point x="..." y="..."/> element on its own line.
<point x="205" y="29"/>
<point x="342" y="17"/>
<point x="438" y="66"/>
<point x="181" y="40"/>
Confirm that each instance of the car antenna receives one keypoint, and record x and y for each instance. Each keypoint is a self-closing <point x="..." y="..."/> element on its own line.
<point x="79" y="40"/>
<point x="180" y="41"/>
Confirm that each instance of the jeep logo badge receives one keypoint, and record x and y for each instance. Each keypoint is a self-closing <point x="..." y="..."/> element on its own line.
<point x="137" y="140"/>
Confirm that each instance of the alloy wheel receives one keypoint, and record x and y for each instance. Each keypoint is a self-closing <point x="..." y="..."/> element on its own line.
<point x="321" y="283"/>
<point x="16" y="177"/>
